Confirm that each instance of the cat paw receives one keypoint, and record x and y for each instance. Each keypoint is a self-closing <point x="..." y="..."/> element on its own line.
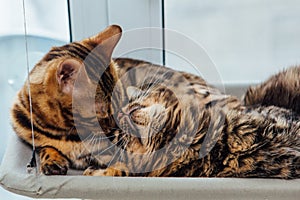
<point x="54" y="168"/>
<point x="53" y="163"/>
<point x="92" y="171"/>
<point x="115" y="170"/>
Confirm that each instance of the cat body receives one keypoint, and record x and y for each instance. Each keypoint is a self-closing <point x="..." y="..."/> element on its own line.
<point x="229" y="139"/>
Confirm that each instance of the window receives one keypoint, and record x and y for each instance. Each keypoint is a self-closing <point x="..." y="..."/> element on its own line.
<point x="247" y="40"/>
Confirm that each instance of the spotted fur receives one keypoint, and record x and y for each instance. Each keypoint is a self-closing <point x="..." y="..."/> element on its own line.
<point x="215" y="137"/>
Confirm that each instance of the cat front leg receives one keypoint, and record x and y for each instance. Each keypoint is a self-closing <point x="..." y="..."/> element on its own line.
<point x="53" y="162"/>
<point x="118" y="169"/>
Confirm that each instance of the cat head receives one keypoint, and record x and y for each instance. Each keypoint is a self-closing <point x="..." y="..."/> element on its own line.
<point x="148" y="113"/>
<point x="79" y="71"/>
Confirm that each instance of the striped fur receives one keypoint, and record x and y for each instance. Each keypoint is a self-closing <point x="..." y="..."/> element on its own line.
<point x="60" y="142"/>
<point x="229" y="139"/>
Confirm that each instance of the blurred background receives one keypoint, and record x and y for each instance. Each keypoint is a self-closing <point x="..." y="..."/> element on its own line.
<point x="245" y="41"/>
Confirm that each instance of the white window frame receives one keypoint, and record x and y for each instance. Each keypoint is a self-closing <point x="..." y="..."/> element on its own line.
<point x="89" y="17"/>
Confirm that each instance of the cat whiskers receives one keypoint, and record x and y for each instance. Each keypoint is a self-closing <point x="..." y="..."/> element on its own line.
<point x="123" y="144"/>
<point x="100" y="135"/>
<point x="109" y="147"/>
<point x="93" y="142"/>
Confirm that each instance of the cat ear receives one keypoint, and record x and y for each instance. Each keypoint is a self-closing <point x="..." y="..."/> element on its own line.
<point x="69" y="71"/>
<point x="108" y="39"/>
<point x="133" y="92"/>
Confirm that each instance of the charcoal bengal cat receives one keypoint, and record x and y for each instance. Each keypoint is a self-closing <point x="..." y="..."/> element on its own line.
<point x="78" y="92"/>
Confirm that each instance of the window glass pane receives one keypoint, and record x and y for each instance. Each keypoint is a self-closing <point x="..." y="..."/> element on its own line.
<point x="248" y="40"/>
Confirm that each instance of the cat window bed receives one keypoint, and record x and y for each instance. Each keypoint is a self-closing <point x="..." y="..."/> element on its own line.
<point x="15" y="178"/>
